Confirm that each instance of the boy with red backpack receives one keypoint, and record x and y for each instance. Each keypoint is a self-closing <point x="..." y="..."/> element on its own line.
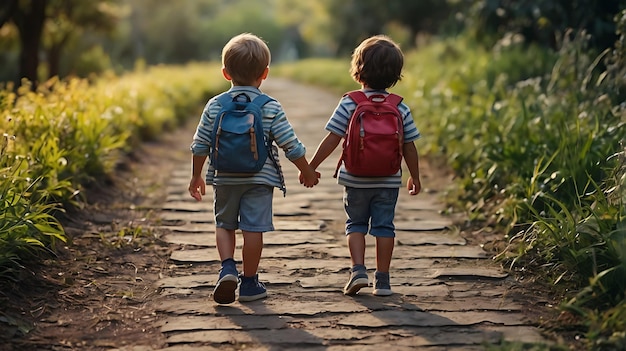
<point x="378" y="132"/>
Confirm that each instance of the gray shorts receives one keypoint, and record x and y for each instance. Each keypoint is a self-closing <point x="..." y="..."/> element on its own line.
<point x="246" y="207"/>
<point x="371" y="211"/>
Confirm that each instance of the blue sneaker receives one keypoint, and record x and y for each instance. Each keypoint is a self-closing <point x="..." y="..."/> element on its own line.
<point x="227" y="283"/>
<point x="251" y="288"/>
<point x="358" y="280"/>
<point x="381" y="284"/>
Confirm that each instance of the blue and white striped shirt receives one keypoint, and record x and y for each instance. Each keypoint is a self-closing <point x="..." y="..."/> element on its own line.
<point x="338" y="124"/>
<point x="276" y="127"/>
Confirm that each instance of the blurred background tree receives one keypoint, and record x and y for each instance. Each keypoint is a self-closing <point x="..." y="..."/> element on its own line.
<point x="542" y="21"/>
<point x="42" y="38"/>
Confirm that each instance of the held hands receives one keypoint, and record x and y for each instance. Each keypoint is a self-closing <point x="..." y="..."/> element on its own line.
<point x="310" y="179"/>
<point x="414" y="186"/>
<point x="197" y="188"/>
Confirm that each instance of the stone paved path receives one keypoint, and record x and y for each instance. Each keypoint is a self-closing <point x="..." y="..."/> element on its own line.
<point x="448" y="295"/>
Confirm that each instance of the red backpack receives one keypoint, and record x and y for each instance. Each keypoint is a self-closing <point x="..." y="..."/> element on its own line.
<point x="372" y="146"/>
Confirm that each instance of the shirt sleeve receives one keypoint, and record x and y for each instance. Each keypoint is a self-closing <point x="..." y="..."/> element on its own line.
<point x="411" y="133"/>
<point x="338" y="122"/>
<point x="283" y="133"/>
<point x="201" y="143"/>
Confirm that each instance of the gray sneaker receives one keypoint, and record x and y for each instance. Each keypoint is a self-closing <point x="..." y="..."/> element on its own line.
<point x="358" y="280"/>
<point x="381" y="284"/>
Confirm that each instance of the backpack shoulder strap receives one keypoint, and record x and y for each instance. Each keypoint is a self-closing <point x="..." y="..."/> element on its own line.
<point x="224" y="99"/>
<point x="394" y="99"/>
<point x="357" y="96"/>
<point x="262" y="100"/>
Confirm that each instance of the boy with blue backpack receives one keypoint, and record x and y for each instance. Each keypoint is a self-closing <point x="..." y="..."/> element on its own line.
<point x="378" y="132"/>
<point x="237" y="131"/>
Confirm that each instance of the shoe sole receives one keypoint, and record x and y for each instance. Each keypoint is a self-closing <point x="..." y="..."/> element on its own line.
<point x="382" y="292"/>
<point x="356" y="285"/>
<point x="224" y="292"/>
<point x="252" y="297"/>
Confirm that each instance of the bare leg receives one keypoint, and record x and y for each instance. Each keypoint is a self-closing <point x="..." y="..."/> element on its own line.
<point x="225" y="242"/>
<point x="224" y="291"/>
<point x="252" y="249"/>
<point x="358" y="275"/>
<point x="384" y="250"/>
<point x="356" y="244"/>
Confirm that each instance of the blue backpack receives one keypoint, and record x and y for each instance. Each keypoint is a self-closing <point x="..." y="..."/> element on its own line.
<point x="239" y="144"/>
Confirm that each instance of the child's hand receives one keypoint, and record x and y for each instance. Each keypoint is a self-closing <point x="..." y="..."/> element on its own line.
<point x="414" y="186"/>
<point x="309" y="181"/>
<point x="197" y="188"/>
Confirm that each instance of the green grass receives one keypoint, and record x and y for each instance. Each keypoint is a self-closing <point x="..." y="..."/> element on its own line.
<point x="71" y="133"/>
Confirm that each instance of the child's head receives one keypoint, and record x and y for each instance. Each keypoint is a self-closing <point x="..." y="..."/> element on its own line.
<point x="245" y="58"/>
<point x="377" y="62"/>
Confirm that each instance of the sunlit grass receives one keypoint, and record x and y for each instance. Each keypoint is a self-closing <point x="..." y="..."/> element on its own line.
<point x="70" y="133"/>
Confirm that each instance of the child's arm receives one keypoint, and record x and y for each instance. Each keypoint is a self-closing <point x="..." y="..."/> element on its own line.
<point x="325" y="148"/>
<point x="411" y="159"/>
<point x="197" y="186"/>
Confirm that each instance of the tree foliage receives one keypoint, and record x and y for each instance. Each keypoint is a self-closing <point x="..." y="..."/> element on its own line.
<point x="544" y="21"/>
<point x="78" y="37"/>
<point x="45" y="27"/>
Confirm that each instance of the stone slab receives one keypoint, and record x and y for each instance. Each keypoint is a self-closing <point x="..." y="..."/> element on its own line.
<point x="303" y="264"/>
<point x="410" y="337"/>
<point x="188" y="281"/>
<point x="418" y="204"/>
<point x="188" y="206"/>
<point x="205" y="239"/>
<point x="295" y="251"/>
<point x="414" y="238"/>
<point x="282" y="237"/>
<point x="280" y="336"/>
<point x="430" y="251"/>
<point x="304" y="339"/>
<point x="267" y="307"/>
<point x="196" y="228"/>
<point x="467" y="272"/>
<point x="426" y="224"/>
<point x="195" y="255"/>
<point x="288" y="225"/>
<point x="338" y="280"/>
<point x="192" y="217"/>
<point x="378" y="319"/>
<point x="187" y="323"/>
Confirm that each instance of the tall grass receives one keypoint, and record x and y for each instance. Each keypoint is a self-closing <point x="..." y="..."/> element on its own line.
<point x="70" y="133"/>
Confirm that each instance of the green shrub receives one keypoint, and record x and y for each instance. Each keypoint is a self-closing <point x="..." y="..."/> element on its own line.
<point x="26" y="224"/>
<point x="70" y="133"/>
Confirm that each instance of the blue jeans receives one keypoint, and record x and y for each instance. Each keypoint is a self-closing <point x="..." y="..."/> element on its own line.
<point x="245" y="207"/>
<point x="371" y="211"/>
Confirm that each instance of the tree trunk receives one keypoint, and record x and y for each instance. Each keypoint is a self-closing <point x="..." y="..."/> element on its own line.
<point x="31" y="28"/>
<point x="54" y="60"/>
<point x="7" y="8"/>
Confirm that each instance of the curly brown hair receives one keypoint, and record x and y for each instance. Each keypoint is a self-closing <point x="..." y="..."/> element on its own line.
<point x="377" y="62"/>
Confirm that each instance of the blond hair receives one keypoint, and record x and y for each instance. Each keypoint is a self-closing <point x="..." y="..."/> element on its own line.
<point x="245" y="57"/>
